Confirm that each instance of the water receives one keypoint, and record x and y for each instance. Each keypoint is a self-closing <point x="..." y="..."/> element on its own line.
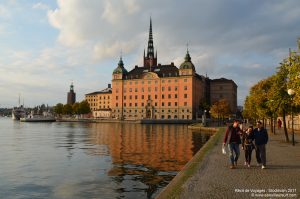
<point x="91" y="160"/>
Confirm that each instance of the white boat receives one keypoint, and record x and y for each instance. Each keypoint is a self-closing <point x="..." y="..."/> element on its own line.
<point x="45" y="117"/>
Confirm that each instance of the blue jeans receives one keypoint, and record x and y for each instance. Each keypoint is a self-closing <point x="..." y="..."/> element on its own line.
<point x="234" y="152"/>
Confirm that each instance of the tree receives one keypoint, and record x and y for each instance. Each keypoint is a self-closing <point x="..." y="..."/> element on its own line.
<point x="220" y="109"/>
<point x="58" y="109"/>
<point x="76" y="108"/>
<point x="67" y="109"/>
<point x="84" y="107"/>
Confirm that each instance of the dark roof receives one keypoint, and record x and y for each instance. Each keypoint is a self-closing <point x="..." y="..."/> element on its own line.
<point x="223" y="80"/>
<point x="161" y="70"/>
<point x="104" y="91"/>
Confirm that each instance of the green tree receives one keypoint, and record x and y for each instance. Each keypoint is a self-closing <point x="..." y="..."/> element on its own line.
<point x="58" y="109"/>
<point x="67" y="109"/>
<point x="84" y="107"/>
<point x="76" y="108"/>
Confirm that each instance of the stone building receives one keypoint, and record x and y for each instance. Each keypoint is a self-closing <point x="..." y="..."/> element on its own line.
<point x="100" y="102"/>
<point x="71" y="98"/>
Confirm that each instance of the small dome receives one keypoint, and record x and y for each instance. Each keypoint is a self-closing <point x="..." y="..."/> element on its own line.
<point x="187" y="64"/>
<point x="120" y="68"/>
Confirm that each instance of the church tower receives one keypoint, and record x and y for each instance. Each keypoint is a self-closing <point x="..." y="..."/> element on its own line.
<point x="71" y="95"/>
<point x="151" y="59"/>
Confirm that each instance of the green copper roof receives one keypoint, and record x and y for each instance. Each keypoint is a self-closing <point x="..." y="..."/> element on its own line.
<point x="120" y="68"/>
<point x="187" y="64"/>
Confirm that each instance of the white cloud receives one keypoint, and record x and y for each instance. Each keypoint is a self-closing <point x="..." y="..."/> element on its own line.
<point x="41" y="6"/>
<point x="4" y="12"/>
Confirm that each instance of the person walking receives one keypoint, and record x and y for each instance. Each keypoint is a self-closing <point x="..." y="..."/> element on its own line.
<point x="261" y="139"/>
<point x="247" y="144"/>
<point x="232" y="137"/>
<point x="279" y="123"/>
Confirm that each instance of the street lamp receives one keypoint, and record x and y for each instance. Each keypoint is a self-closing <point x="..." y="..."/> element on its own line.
<point x="291" y="93"/>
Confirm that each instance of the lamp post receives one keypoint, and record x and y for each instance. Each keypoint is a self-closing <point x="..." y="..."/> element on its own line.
<point x="291" y="93"/>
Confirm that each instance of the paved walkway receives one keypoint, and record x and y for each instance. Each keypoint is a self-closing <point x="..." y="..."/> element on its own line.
<point x="281" y="179"/>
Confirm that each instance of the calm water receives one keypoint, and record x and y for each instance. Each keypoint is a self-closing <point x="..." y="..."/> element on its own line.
<point x="96" y="160"/>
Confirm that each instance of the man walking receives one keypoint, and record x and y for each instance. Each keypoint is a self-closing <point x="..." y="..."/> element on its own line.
<point x="232" y="136"/>
<point x="261" y="139"/>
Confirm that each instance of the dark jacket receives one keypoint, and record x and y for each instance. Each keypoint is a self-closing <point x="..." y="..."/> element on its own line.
<point x="261" y="136"/>
<point x="233" y="135"/>
<point x="247" y="139"/>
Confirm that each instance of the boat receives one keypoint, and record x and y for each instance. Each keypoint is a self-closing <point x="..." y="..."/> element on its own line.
<point x="18" y="112"/>
<point x="45" y="117"/>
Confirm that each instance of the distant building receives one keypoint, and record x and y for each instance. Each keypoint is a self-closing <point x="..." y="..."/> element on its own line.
<point x="71" y="95"/>
<point x="224" y="89"/>
<point x="155" y="91"/>
<point x="100" y="102"/>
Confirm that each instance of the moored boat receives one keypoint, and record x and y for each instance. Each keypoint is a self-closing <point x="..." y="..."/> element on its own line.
<point x="46" y="117"/>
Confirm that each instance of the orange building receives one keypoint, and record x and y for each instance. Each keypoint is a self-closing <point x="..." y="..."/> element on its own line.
<point x="155" y="91"/>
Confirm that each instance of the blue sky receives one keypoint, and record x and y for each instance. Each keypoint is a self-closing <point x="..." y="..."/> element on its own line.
<point x="44" y="45"/>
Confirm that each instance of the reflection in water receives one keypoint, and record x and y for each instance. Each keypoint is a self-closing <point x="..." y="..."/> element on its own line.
<point x="92" y="160"/>
<point x="146" y="157"/>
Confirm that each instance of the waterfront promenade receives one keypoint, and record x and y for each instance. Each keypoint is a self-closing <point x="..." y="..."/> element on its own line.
<point x="214" y="179"/>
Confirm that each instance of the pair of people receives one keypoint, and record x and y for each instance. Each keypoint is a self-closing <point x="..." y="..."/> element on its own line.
<point x="233" y="138"/>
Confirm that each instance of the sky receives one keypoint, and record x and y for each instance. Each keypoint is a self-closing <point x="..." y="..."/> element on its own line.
<point x="46" y="45"/>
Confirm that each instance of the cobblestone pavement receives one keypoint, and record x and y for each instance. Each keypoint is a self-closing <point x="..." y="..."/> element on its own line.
<point x="281" y="179"/>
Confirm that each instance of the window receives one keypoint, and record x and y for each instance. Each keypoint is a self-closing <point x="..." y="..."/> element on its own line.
<point x="185" y="103"/>
<point x="169" y="103"/>
<point x="135" y="105"/>
<point x="136" y="97"/>
<point x="149" y="97"/>
<point x="163" y="81"/>
<point x="169" y="96"/>
<point x="175" y="88"/>
<point x="155" y="96"/>
<point x="124" y="97"/>
<point x="155" y="104"/>
<point x="169" y="80"/>
<point x="136" y="89"/>
<point x="156" y="89"/>
<point x="130" y="104"/>
<point x="100" y="98"/>
<point x="175" y="103"/>
<point x="182" y="116"/>
<point x="117" y="97"/>
<point x="162" y="117"/>
<point x="175" y="96"/>
<point x="142" y="96"/>
<point x="124" y="90"/>
<point x="124" y="104"/>
<point x="149" y="89"/>
<point x="162" y="104"/>
<point x="185" y="88"/>
<point x="117" y="104"/>
<point x="162" y="111"/>
<point x="162" y="88"/>
<point x="117" y="90"/>
<point x="142" y="105"/>
<point x="130" y="97"/>
<point x="142" y="89"/>
<point x="162" y="96"/>
<point x="169" y="116"/>
<point x="185" y="95"/>
<point x="169" y="88"/>
<point x="130" y="89"/>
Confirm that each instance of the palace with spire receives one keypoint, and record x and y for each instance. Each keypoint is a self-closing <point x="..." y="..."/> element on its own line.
<point x="156" y="91"/>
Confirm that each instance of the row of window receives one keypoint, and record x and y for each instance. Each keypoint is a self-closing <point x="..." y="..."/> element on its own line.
<point x="156" y="111"/>
<point x="149" y="89"/>
<point x="155" y="104"/>
<point x="162" y="116"/>
<point x="150" y="82"/>
<point x="149" y="96"/>
<point x="100" y="107"/>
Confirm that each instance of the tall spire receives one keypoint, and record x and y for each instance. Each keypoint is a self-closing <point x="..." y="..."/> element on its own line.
<point x="150" y="59"/>
<point x="150" y="50"/>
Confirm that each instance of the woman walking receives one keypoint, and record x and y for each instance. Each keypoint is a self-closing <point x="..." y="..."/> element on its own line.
<point x="247" y="144"/>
